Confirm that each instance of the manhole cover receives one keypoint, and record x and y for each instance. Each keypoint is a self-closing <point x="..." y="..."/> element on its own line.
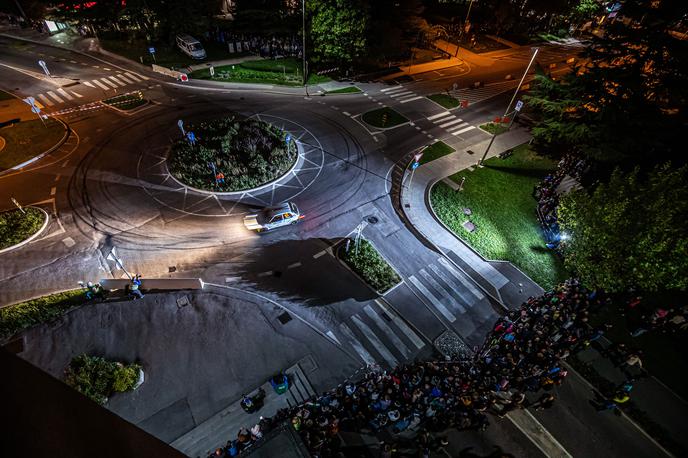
<point x="470" y="151"/>
<point x="284" y="318"/>
<point x="183" y="302"/>
<point x="373" y="220"/>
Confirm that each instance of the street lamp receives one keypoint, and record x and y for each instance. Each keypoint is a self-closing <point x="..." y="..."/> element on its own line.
<point x="506" y="112"/>
<point x="303" y="49"/>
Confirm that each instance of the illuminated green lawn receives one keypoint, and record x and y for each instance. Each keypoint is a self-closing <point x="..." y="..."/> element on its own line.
<point x="500" y="197"/>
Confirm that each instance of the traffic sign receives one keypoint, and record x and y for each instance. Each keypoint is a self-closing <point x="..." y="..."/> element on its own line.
<point x="212" y="70"/>
<point x="417" y="156"/>
<point x="180" y="123"/>
<point x="183" y="77"/>
<point x="415" y="165"/>
<point x="519" y="105"/>
<point x="151" y="50"/>
<point x="288" y="138"/>
<point x="44" y="66"/>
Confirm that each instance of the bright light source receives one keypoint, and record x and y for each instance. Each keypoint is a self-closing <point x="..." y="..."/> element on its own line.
<point x="564" y="236"/>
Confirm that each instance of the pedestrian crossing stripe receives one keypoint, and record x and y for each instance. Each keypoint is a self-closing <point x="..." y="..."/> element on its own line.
<point x="112" y="78"/>
<point x="446" y="295"/>
<point x="373" y="339"/>
<point x="124" y="78"/>
<point x="461" y="278"/>
<point x="356" y="344"/>
<point x="100" y="85"/>
<point x="411" y="99"/>
<point x="134" y="77"/>
<point x="108" y="82"/>
<point x="65" y="94"/>
<point x="439" y="115"/>
<point x="458" y="126"/>
<point x="76" y="94"/>
<point x="46" y="100"/>
<point x="55" y="97"/>
<point x="384" y="327"/>
<point x="453" y="121"/>
<point x="465" y="129"/>
<point x="405" y="328"/>
<point x="390" y="89"/>
<point x="432" y="299"/>
<point x="89" y="84"/>
<point x="401" y="94"/>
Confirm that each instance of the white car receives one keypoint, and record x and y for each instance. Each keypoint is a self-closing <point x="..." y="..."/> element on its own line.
<point x="273" y="217"/>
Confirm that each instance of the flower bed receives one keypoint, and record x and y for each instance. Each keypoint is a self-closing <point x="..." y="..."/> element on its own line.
<point x="248" y="152"/>
<point x="369" y="265"/>
<point x="15" y="226"/>
<point x="98" y="378"/>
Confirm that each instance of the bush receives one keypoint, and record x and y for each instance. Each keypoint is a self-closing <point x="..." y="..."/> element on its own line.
<point x="370" y="266"/>
<point x="248" y="152"/>
<point x="17" y="317"/>
<point x="98" y="378"/>
<point x="15" y="226"/>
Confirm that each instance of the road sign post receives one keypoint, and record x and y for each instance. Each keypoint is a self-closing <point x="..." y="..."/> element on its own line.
<point x="151" y="50"/>
<point x="212" y="71"/>
<point x="45" y="68"/>
<point x="34" y="108"/>
<point x="14" y="201"/>
<point x="180" y="123"/>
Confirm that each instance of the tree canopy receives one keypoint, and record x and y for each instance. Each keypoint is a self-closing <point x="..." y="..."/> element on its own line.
<point x="629" y="232"/>
<point x="337" y="30"/>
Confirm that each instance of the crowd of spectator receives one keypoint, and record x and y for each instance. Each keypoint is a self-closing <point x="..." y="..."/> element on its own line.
<point x="522" y="356"/>
<point x="547" y="196"/>
<point x="273" y="46"/>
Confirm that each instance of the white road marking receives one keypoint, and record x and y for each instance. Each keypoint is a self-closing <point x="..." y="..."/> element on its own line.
<point x="451" y="282"/>
<point x="112" y="78"/>
<point x="231" y="279"/>
<point x="100" y="85"/>
<point x="318" y="254"/>
<point x="391" y="89"/>
<point x="434" y="302"/>
<point x="331" y="335"/>
<point x="132" y="76"/>
<point x="89" y="84"/>
<point x="362" y="352"/>
<point x="55" y="97"/>
<point x="65" y="94"/>
<point x="57" y="178"/>
<point x="411" y="99"/>
<point x="439" y="115"/>
<point x="45" y="100"/>
<point x="265" y="274"/>
<point x="442" y="290"/>
<point x="533" y="430"/>
<point x="401" y="324"/>
<point x="461" y="278"/>
<point x="465" y="129"/>
<point x="457" y="127"/>
<point x="453" y="121"/>
<point x="69" y="242"/>
<point x="296" y="264"/>
<point x="76" y="94"/>
<point x="380" y="323"/>
<point x="108" y="82"/>
<point x="346" y="113"/>
<point x="124" y="78"/>
<point x="377" y="343"/>
<point x="53" y="190"/>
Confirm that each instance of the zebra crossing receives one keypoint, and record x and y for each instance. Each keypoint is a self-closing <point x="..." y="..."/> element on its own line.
<point x="379" y="336"/>
<point x="61" y="95"/>
<point x="401" y="94"/>
<point x="475" y="95"/>
<point x="450" y="122"/>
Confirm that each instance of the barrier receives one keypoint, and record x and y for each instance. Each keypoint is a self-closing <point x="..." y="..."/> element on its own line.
<point x="154" y="283"/>
<point x="166" y="71"/>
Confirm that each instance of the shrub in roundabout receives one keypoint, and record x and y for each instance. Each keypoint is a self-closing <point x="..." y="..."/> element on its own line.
<point x="248" y="152"/>
<point x="98" y="378"/>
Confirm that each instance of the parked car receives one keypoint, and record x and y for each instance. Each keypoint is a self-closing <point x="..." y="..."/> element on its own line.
<point x="191" y="47"/>
<point x="273" y="217"/>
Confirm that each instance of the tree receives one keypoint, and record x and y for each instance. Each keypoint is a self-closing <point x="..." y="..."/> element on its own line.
<point x="337" y="30"/>
<point x="628" y="102"/>
<point x="629" y="232"/>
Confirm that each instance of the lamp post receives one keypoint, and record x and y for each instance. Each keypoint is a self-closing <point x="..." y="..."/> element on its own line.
<point x="303" y="48"/>
<point x="506" y="112"/>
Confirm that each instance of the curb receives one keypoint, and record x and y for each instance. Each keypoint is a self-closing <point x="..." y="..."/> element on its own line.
<point x="33" y="236"/>
<point x="244" y="191"/>
<point x="68" y="131"/>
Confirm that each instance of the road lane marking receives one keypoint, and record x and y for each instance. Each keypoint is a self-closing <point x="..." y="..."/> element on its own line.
<point x="434" y="302"/>
<point x="536" y="432"/>
<point x="331" y="335"/>
<point x="100" y="85"/>
<point x="411" y="99"/>
<point x="380" y="323"/>
<point x="452" y="283"/>
<point x="461" y="278"/>
<point x="108" y="82"/>
<point x="46" y="100"/>
<point x="356" y="344"/>
<point x="373" y="339"/>
<point x="65" y="94"/>
<point x="321" y="253"/>
<point x="439" y="115"/>
<point x="457" y="127"/>
<point x="55" y="97"/>
<point x="265" y="274"/>
<point x="132" y="76"/>
<point x="296" y="264"/>
<point x="89" y="84"/>
<point x="57" y="178"/>
<point x="69" y="242"/>
<point x="401" y="324"/>
<point x="465" y="129"/>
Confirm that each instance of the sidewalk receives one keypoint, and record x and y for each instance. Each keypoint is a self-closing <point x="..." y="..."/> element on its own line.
<point x="501" y="279"/>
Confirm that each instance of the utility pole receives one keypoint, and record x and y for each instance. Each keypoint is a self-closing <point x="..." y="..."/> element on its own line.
<point x="303" y="48"/>
<point x="506" y="112"/>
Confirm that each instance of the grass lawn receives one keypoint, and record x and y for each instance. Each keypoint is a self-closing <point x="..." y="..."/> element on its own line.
<point x="126" y="101"/>
<point x="16" y="226"/>
<point x="17" y="317"/>
<point x="435" y="151"/>
<point x="345" y="90"/>
<point x="445" y="100"/>
<point x="494" y="128"/>
<point x="28" y="139"/>
<point x="500" y="197"/>
<point x="369" y="265"/>
<point x="383" y="117"/>
<point x="286" y="71"/>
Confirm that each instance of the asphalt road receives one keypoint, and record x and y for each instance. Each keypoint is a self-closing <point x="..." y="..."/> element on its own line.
<point x="108" y="187"/>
